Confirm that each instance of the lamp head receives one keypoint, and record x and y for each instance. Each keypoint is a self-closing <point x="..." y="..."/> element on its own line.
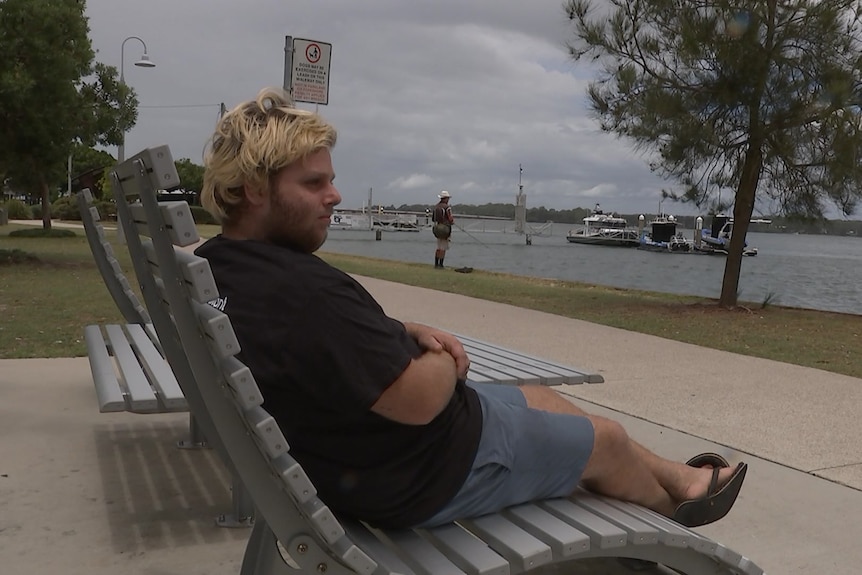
<point x="145" y="62"/>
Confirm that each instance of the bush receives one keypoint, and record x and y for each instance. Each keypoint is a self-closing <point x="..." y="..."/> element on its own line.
<point x="201" y="216"/>
<point x="65" y="208"/>
<point x="18" y="210"/>
<point x="37" y="211"/>
<point x="42" y="233"/>
<point x="107" y="209"/>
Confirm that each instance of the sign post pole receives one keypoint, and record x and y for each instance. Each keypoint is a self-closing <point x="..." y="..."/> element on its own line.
<point x="288" y="65"/>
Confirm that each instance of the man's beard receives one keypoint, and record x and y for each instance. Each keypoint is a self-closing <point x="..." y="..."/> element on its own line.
<point x="284" y="227"/>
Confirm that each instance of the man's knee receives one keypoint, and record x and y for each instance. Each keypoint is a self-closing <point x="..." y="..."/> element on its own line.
<point x="610" y="435"/>
<point x="610" y="444"/>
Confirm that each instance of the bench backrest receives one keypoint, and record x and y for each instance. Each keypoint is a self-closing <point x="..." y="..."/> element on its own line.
<point x="200" y="345"/>
<point x="106" y="261"/>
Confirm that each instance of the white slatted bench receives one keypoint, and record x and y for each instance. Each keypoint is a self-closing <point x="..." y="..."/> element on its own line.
<point x="494" y="364"/>
<point x="128" y="367"/>
<point x="129" y="372"/>
<point x="201" y="345"/>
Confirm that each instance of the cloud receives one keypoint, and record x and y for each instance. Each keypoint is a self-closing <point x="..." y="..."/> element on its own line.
<point x="425" y="95"/>
<point x="412" y="182"/>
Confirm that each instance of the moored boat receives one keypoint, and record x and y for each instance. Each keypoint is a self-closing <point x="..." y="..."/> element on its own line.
<point x="601" y="229"/>
<point x="661" y="236"/>
<point x="716" y="238"/>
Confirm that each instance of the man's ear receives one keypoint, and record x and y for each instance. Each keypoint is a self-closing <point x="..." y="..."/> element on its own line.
<point x="254" y="195"/>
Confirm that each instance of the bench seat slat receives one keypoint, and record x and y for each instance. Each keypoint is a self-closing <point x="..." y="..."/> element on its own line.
<point x="383" y="555"/>
<point x="493" y="375"/>
<point x="603" y="534"/>
<point x="295" y="478"/>
<point x="563" y="539"/>
<point x="239" y="378"/>
<point x="519" y="547"/>
<point x="324" y="522"/>
<point x="420" y="554"/>
<point x="195" y="271"/>
<point x="217" y="327"/>
<point x="554" y="374"/>
<point x="141" y="396"/>
<point x="108" y="393"/>
<point x="178" y="221"/>
<point x="639" y="533"/>
<point x="728" y="556"/>
<point x="159" y="372"/>
<point x="267" y="432"/>
<point x="467" y="551"/>
<point x="472" y="375"/>
<point x="523" y="376"/>
<point x="504" y="363"/>
<point x="567" y="371"/>
<point x="670" y="533"/>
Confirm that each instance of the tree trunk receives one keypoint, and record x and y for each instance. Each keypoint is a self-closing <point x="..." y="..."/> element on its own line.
<point x="743" y="206"/>
<point x="46" y="204"/>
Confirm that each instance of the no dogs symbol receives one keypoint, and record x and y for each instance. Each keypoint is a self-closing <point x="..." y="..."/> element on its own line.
<point x="312" y="53"/>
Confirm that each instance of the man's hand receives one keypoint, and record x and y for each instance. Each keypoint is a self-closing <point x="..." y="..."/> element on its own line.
<point x="433" y="339"/>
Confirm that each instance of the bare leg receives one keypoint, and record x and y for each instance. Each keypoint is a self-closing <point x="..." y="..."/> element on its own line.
<point x="622" y="468"/>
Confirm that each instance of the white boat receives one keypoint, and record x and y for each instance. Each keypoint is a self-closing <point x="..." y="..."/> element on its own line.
<point x="716" y="238"/>
<point x="601" y="229"/>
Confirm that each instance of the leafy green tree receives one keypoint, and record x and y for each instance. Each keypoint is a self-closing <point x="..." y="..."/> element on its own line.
<point x="88" y="159"/>
<point x="754" y="96"/>
<point x="191" y="174"/>
<point x="52" y="93"/>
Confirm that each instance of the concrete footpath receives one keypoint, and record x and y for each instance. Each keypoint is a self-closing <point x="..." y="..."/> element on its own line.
<point x="83" y="492"/>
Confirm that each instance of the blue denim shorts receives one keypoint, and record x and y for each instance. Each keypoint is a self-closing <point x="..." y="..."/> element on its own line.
<point x="524" y="455"/>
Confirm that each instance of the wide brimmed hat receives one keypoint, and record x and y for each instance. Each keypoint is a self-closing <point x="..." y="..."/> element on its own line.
<point x="443" y="194"/>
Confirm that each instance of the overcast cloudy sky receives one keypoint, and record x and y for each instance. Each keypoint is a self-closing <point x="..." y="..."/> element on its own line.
<point x="426" y="95"/>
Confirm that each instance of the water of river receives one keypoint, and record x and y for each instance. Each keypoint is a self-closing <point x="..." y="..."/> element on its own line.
<point x="809" y="271"/>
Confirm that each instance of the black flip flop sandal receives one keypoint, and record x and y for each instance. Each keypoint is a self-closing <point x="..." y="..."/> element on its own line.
<point x="708" y="458"/>
<point x="715" y="504"/>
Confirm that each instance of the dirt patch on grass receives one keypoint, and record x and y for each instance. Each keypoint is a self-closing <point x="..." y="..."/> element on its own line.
<point x="11" y="257"/>
<point x="24" y="259"/>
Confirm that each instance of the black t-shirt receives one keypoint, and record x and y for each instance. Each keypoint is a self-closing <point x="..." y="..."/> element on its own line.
<point x="323" y="351"/>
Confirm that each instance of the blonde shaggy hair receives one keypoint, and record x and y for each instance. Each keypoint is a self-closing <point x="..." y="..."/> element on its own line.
<point x="251" y="143"/>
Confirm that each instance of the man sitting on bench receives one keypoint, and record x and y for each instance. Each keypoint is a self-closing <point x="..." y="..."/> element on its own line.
<point x="378" y="412"/>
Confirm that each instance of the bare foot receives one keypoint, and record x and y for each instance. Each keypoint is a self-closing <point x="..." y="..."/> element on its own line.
<point x="701" y="477"/>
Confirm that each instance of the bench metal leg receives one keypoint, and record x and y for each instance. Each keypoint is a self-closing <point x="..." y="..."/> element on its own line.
<point x="242" y="508"/>
<point x="262" y="555"/>
<point x="196" y="439"/>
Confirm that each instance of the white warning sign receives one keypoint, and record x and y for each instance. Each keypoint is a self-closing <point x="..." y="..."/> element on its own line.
<point x="309" y="76"/>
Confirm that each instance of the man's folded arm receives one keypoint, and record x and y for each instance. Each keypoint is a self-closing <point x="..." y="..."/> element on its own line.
<point x="422" y="390"/>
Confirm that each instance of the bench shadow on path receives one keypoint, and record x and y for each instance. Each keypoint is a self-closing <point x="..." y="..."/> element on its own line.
<point x="156" y="495"/>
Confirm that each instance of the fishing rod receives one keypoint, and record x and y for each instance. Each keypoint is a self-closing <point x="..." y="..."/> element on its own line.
<point x="472" y="236"/>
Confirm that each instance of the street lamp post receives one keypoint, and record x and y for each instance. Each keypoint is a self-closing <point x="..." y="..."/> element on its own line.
<point x="144" y="62"/>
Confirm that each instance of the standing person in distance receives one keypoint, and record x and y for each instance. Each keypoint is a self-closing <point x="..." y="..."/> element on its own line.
<point x="442" y="229"/>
